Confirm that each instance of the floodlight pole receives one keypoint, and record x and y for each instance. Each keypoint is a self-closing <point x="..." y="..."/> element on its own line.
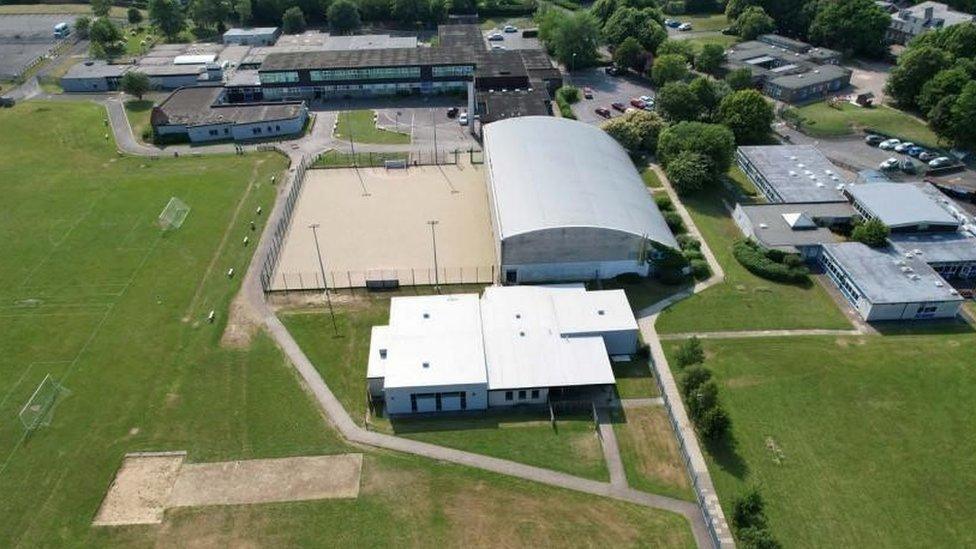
<point x="433" y="239"/>
<point x="433" y="122"/>
<point x="325" y="283"/>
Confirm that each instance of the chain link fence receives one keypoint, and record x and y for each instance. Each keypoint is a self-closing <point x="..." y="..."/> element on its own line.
<point x="381" y="278"/>
<point x="281" y="229"/>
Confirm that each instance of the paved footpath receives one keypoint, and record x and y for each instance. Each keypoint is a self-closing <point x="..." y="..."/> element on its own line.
<point x="611" y="450"/>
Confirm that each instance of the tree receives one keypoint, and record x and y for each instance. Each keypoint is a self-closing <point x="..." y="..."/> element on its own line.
<point x="135" y="83"/>
<point x="749" y="510"/>
<point x="683" y="48"/>
<point x="210" y="13"/>
<point x="689" y="172"/>
<point x="734" y="8"/>
<point x="344" y="17"/>
<point x="374" y="10"/>
<point x="244" y="11"/>
<point x="756" y="538"/>
<point x="464" y="6"/>
<point x="648" y="126"/>
<point x="945" y="83"/>
<point x="709" y="93"/>
<point x="853" y="26"/>
<point x="702" y="399"/>
<point x="739" y="79"/>
<point x="714" y="423"/>
<point x="642" y="24"/>
<point x="940" y="118"/>
<point x="100" y="8"/>
<point x="134" y="15"/>
<point x="83" y="26"/>
<point x="167" y="16"/>
<point x="629" y="54"/>
<point x="710" y="58"/>
<point x="690" y="352"/>
<point x="753" y="22"/>
<point x="747" y="114"/>
<point x="677" y="102"/>
<point x="293" y="20"/>
<point x="624" y="132"/>
<point x="959" y="40"/>
<point x="872" y="232"/>
<point x="571" y="37"/>
<point x="915" y="67"/>
<point x="715" y="142"/>
<point x="106" y="38"/>
<point x="694" y="377"/>
<point x="964" y="118"/>
<point x="669" y="68"/>
<point x="407" y="12"/>
<point x="437" y="11"/>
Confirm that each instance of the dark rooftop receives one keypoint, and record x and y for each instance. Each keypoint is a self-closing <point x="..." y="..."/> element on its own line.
<point x="387" y="57"/>
<point x="499" y="105"/>
<point x="197" y="106"/>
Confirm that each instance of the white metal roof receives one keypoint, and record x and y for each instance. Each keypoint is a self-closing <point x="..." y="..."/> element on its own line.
<point x="901" y="204"/>
<point x="547" y="172"/>
<point x="194" y="59"/>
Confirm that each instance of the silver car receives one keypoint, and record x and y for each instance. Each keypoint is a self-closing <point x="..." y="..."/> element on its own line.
<point x="889" y="144"/>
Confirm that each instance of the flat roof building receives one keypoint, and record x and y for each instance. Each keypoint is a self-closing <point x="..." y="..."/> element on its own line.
<point x="567" y="203"/>
<point x="792" y="173"/>
<point x="903" y="207"/>
<point x="912" y="21"/>
<point x="514" y="345"/>
<point x="256" y="36"/>
<point x="787" y="69"/>
<point x="93" y="76"/>
<point x="798" y="228"/>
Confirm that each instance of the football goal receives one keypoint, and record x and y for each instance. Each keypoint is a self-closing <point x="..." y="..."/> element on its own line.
<point x="173" y="215"/>
<point x="39" y="408"/>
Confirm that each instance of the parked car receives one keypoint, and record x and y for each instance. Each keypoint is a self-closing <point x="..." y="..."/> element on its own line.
<point x="684" y="27"/>
<point x="940" y="162"/>
<point x="904" y="146"/>
<point x="619" y="107"/>
<point x="647" y="99"/>
<point x="927" y="156"/>
<point x="890" y="164"/>
<point x="888" y="144"/>
<point x="915" y="151"/>
<point x="463" y="119"/>
<point x="908" y="166"/>
<point x="603" y="111"/>
<point x="588" y="93"/>
<point x="497" y="47"/>
<point x="496" y="36"/>
<point x="612" y="70"/>
<point x="967" y="294"/>
<point x="673" y="23"/>
<point x="874" y="140"/>
<point x="510" y="28"/>
<point x="452" y="112"/>
<point x="636" y="102"/>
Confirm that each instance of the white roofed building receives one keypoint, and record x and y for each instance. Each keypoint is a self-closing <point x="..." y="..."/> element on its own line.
<point x="512" y="346"/>
<point x="567" y="203"/>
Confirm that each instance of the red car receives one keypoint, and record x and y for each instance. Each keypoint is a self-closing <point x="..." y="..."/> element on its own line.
<point x="619" y="107"/>
<point x="588" y="93"/>
<point x="603" y="111"/>
<point x="636" y="102"/>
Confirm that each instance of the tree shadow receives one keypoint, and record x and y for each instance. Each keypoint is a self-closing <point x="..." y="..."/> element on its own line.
<point x="724" y="452"/>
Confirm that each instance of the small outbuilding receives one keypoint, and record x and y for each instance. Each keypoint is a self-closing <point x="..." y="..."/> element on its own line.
<point x="257" y="36"/>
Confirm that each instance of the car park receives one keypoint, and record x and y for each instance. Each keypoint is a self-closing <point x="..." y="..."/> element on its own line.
<point x="940" y="162"/>
<point x="908" y="166"/>
<point x="619" y="107"/>
<point x="636" y="103"/>
<point x="603" y="111"/>
<point x="510" y="28"/>
<point x="588" y="92"/>
<point x="915" y="151"/>
<point x="888" y="144"/>
<point x="887" y="165"/>
<point x="684" y="27"/>
<point x="903" y="147"/>
<point x="496" y="36"/>
<point x="874" y="140"/>
<point x="927" y="156"/>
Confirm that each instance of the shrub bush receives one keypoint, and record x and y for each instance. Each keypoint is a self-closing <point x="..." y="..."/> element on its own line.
<point x="569" y="94"/>
<point x="689" y="353"/>
<point x="692" y="254"/>
<point x="688" y="242"/>
<point x="700" y="269"/>
<point x="695" y="376"/>
<point x="628" y="278"/>
<point x="764" y="263"/>
<point x="663" y="202"/>
<point x="674" y="221"/>
<point x="714" y="423"/>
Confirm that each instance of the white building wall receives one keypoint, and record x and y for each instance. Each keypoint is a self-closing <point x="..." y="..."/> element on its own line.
<point x="398" y="399"/>
<point x="909" y="311"/>
<point x="622" y="342"/>
<point x="498" y="398"/>
<point x="572" y="272"/>
<point x="275" y="128"/>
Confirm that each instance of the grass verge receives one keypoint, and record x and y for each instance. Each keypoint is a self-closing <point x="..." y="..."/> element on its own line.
<point x="336" y="159"/>
<point x="822" y="120"/>
<point x="649" y="450"/>
<point x="361" y="128"/>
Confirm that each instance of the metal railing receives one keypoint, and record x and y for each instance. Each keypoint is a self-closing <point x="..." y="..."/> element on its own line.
<point x="281" y="229"/>
<point x="380" y="278"/>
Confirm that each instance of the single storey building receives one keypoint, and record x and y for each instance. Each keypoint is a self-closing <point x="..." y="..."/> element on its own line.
<point x="789" y="70"/>
<point x="257" y="36"/>
<point x="93" y="76"/>
<point x="792" y="173"/>
<point x="798" y="228"/>
<point x="915" y="20"/>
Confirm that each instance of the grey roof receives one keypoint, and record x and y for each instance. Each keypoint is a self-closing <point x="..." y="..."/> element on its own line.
<point x="901" y="204"/>
<point x="547" y="173"/>
<point x="798" y="173"/>
<point x="948" y="247"/>
<point x="243" y="77"/>
<point x="770" y="228"/>
<point x="822" y="74"/>
<point x="386" y="57"/>
<point x="498" y="105"/>
<point x="172" y="70"/>
<point x="96" y="69"/>
<point x="940" y="11"/>
<point x="884" y="275"/>
<point x="256" y="31"/>
<point x="197" y="106"/>
<point x="872" y="176"/>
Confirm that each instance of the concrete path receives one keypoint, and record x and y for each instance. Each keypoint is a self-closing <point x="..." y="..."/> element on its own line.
<point x="611" y="450"/>
<point x="760" y="333"/>
<point x="626" y="403"/>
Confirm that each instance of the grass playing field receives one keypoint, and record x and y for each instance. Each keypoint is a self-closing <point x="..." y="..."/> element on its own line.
<point x="825" y="121"/>
<point x="854" y="442"/>
<point x="360" y="127"/>
<point x="94" y="294"/>
<point x="744" y="301"/>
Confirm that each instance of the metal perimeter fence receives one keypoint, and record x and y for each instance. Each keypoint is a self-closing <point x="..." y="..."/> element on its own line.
<point x="281" y="229"/>
<point x="403" y="159"/>
<point x="380" y="279"/>
<point x="707" y="515"/>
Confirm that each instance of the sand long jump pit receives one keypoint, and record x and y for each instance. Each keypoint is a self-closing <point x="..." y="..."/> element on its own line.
<point x="146" y="485"/>
<point x="374" y="226"/>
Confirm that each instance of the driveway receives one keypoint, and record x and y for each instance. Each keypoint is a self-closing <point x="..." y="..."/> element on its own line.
<point x="606" y="90"/>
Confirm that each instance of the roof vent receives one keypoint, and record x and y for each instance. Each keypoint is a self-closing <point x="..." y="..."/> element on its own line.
<point x="426" y="364"/>
<point x="518" y="315"/>
<point x="939" y="284"/>
<point x="601" y="312"/>
<point x="763" y="226"/>
<point x="916" y="251"/>
<point x="521" y="334"/>
<point x="426" y="315"/>
<point x="792" y="173"/>
<point x="383" y="353"/>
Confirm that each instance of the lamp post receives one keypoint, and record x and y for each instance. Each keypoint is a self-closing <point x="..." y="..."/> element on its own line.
<point x="325" y="284"/>
<point x="433" y="239"/>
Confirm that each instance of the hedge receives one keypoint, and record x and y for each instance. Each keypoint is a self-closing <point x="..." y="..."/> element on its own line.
<point x="763" y="263"/>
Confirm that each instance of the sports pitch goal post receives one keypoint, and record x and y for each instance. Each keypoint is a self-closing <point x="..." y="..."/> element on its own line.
<point x="39" y="408"/>
<point x="173" y="215"/>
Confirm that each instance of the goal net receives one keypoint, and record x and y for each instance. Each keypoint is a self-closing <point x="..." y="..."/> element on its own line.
<point x="40" y="406"/>
<point x="173" y="214"/>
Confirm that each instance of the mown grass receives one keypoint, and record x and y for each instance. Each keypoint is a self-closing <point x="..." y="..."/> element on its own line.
<point x="336" y="159"/>
<point x="650" y="178"/>
<point x="650" y="453"/>
<point x="634" y="379"/>
<point x="360" y="128"/>
<point x="138" y="112"/>
<point x="853" y="441"/>
<point x="702" y="22"/>
<point x="67" y="9"/>
<point x="743" y="301"/>
<point x="822" y="120"/>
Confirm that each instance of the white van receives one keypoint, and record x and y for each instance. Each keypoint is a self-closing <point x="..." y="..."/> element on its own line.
<point x="61" y="30"/>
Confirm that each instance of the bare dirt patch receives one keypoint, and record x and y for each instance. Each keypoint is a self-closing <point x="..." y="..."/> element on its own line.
<point x="242" y="324"/>
<point x="140" y="490"/>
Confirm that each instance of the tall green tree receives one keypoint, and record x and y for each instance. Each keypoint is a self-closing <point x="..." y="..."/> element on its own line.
<point x="572" y="38"/>
<point x="167" y="16"/>
<point x="739" y="79"/>
<point x="748" y="114"/>
<point x="709" y="93"/>
<point x="959" y="40"/>
<point x="344" y="17"/>
<point x="642" y="24"/>
<point x="964" y="118"/>
<point x="872" y="232"/>
<point x="106" y="39"/>
<point x="83" y="26"/>
<point x="677" y="102"/>
<point x="683" y="48"/>
<point x="293" y="20"/>
<point x="134" y="15"/>
<point x="101" y="8"/>
<point x="629" y="54"/>
<point x="244" y="11"/>
<point x="710" y="58"/>
<point x="669" y="68"/>
<point x="210" y="13"/>
<point x="916" y="66"/>
<point x="689" y="172"/>
<point x="714" y="141"/>
<point x="856" y="27"/>
<point x="753" y="22"/>
<point x="135" y="83"/>
<point x="945" y="83"/>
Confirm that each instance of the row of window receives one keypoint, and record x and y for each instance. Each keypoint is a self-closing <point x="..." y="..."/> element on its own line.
<point x="522" y="395"/>
<point x="380" y="73"/>
<point x="453" y="70"/>
<point x="439" y="400"/>
<point x="278" y="77"/>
